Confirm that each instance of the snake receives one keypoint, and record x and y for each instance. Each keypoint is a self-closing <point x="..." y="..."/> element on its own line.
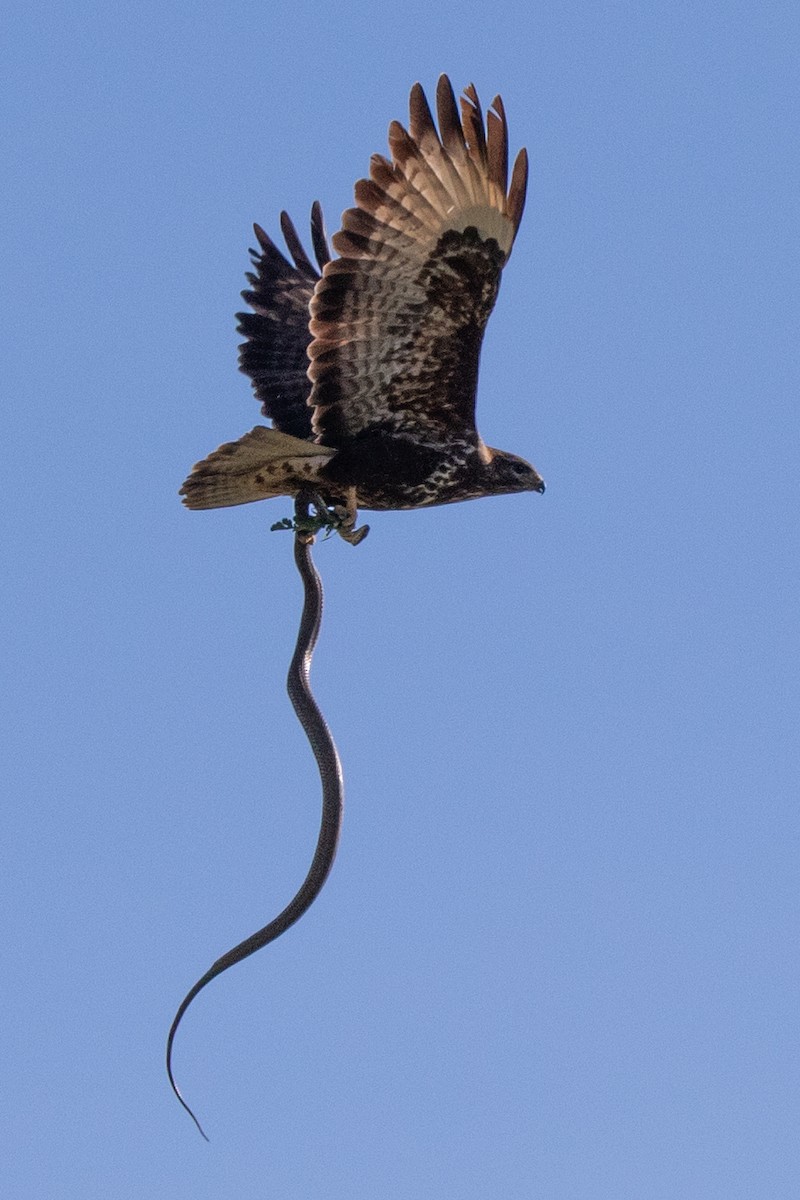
<point x="320" y="739"/>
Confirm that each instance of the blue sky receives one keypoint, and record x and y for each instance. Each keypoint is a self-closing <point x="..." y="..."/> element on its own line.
<point x="557" y="956"/>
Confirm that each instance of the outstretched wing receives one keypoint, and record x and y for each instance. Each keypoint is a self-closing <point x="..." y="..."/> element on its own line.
<point x="275" y="353"/>
<point x="398" y="320"/>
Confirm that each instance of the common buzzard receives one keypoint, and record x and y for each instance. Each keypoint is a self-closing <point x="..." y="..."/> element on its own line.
<point x="368" y="365"/>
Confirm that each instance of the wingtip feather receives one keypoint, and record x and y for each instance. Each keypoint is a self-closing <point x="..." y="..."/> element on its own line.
<point x="319" y="237"/>
<point x="497" y="140"/>
<point x="472" y="123"/>
<point x="518" y="189"/>
<point x="420" y="118"/>
<point x="450" y="131"/>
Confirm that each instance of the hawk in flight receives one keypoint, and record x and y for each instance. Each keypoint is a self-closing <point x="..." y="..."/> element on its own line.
<point x="367" y="364"/>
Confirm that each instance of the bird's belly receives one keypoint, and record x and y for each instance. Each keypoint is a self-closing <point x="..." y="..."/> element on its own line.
<point x="436" y="489"/>
<point x="397" y="472"/>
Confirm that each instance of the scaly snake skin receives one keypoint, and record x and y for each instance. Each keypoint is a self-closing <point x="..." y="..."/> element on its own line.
<point x="330" y="771"/>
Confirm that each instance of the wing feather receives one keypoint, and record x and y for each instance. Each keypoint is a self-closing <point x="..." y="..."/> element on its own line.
<point x="518" y="189"/>
<point x="394" y="183"/>
<point x="301" y="259"/>
<point x="497" y="138"/>
<point x="275" y="352"/>
<point x="420" y="119"/>
<point x="411" y="164"/>
<point x="318" y="239"/>
<point x="450" y="129"/>
<point x="472" y="121"/>
<point x="397" y="321"/>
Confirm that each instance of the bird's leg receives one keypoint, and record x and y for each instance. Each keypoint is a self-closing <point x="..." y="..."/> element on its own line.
<point x="330" y="518"/>
<point x="347" y="514"/>
<point x="340" y="517"/>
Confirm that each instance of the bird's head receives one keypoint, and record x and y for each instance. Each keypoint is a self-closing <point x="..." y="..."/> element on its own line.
<point x="510" y="473"/>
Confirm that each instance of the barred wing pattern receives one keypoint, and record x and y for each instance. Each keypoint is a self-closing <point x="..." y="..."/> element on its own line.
<point x="275" y="353"/>
<point x="398" y="320"/>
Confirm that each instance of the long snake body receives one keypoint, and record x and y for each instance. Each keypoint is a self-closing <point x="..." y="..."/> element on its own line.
<point x="330" y="770"/>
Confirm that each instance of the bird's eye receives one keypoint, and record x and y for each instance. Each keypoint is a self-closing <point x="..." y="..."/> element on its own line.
<point x="519" y="468"/>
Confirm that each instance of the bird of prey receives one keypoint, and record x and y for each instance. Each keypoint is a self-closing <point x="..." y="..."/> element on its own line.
<point x="367" y="364"/>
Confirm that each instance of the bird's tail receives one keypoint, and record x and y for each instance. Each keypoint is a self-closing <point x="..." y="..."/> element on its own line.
<point x="263" y="463"/>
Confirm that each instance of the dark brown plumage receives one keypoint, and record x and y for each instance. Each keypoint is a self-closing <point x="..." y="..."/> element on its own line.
<point x="367" y="363"/>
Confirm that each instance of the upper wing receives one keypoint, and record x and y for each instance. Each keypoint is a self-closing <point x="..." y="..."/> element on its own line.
<point x="398" y="320"/>
<point x="275" y="353"/>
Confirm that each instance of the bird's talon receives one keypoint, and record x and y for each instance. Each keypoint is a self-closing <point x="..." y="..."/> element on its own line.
<point x="337" y="518"/>
<point x="353" y="536"/>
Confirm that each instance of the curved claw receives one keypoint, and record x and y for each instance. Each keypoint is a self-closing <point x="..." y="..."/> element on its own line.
<point x="353" y="536"/>
<point x="347" y="515"/>
<point x="335" y="519"/>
